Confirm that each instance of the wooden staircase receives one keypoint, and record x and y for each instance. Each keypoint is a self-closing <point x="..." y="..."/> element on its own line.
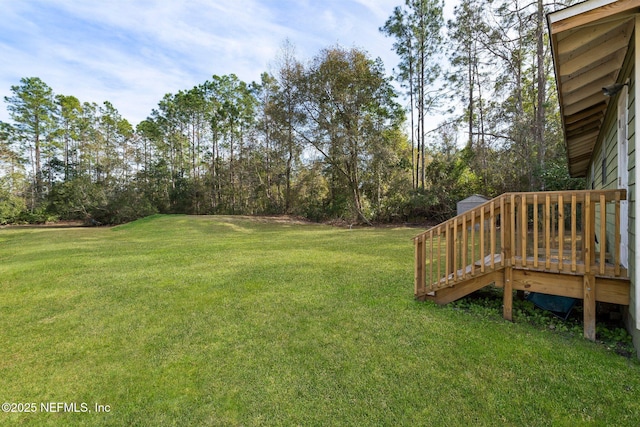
<point x="557" y="243"/>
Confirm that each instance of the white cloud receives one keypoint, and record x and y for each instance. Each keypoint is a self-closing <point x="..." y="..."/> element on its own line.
<point x="132" y="52"/>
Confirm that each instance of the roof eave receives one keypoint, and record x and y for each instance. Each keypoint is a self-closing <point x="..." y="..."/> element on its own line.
<point x="570" y="22"/>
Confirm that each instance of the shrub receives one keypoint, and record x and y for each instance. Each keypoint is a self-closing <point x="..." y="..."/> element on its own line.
<point x="11" y="207"/>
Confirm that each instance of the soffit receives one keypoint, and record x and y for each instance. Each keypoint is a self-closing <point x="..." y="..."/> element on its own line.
<point x="589" y="49"/>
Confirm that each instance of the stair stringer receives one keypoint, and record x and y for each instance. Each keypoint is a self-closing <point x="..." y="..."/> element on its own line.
<point x="461" y="289"/>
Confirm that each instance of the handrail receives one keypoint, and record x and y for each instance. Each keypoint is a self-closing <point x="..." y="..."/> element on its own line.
<point x="557" y="231"/>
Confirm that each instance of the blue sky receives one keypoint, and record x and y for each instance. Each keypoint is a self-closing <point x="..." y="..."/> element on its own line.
<point x="132" y="52"/>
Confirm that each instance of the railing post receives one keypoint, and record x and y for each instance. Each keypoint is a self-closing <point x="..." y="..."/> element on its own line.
<point x="512" y="230"/>
<point x="507" y="222"/>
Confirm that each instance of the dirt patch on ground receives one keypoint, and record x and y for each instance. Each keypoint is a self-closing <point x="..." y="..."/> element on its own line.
<point x="339" y="223"/>
<point x="278" y="219"/>
<point x="58" y="224"/>
<point x="346" y="224"/>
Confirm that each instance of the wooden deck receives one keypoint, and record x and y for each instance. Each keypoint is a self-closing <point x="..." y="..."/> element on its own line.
<point x="558" y="243"/>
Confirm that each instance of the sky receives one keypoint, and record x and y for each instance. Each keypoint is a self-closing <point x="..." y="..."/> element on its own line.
<point x="133" y="52"/>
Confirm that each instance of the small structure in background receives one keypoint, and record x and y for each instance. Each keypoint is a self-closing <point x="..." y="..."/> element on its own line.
<point x="470" y="203"/>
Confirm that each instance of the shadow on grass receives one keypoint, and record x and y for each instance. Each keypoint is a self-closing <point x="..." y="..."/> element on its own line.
<point x="610" y="328"/>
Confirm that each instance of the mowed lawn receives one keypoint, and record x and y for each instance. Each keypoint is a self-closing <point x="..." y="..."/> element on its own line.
<point x="181" y="320"/>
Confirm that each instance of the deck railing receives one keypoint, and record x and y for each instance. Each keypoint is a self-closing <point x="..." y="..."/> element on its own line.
<point x="571" y="232"/>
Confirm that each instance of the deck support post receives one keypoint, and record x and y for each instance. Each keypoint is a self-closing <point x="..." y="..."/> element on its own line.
<point x="589" y="299"/>
<point x="507" y="304"/>
<point x="420" y="267"/>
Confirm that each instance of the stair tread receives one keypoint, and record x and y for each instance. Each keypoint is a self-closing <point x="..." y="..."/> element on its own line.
<point x="497" y="259"/>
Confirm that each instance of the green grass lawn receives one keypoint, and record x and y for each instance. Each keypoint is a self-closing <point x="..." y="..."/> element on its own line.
<point x="178" y="320"/>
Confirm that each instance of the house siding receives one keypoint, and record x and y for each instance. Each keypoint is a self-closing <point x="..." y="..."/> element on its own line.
<point x="604" y="163"/>
<point x="605" y="166"/>
<point x="631" y="196"/>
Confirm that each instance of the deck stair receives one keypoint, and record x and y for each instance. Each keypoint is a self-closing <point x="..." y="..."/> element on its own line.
<point x="559" y="243"/>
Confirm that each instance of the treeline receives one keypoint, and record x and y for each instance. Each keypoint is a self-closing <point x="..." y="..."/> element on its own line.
<point x="323" y="139"/>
